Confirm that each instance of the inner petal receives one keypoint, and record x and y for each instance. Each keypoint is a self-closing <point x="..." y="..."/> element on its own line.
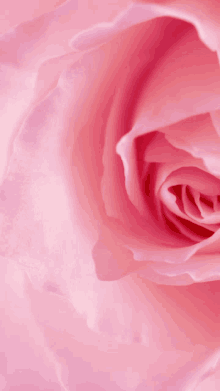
<point x="190" y="205"/>
<point x="206" y="203"/>
<point x="195" y="232"/>
<point x="198" y="136"/>
<point x="197" y="179"/>
<point x="182" y="192"/>
<point x="177" y="192"/>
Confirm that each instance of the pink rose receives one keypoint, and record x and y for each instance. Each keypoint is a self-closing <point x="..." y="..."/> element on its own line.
<point x="110" y="196"/>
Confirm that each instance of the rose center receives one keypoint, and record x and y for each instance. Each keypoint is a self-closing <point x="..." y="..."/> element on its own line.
<point x="189" y="211"/>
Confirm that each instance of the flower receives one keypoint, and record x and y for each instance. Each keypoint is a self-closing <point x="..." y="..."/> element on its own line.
<point x="109" y="196"/>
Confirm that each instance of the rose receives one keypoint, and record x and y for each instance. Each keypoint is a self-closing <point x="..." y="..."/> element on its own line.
<point x="114" y="237"/>
<point x="52" y="160"/>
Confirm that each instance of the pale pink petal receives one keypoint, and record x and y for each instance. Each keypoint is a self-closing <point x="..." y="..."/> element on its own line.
<point x="13" y="12"/>
<point x="139" y="335"/>
<point x="26" y="362"/>
<point x="28" y="45"/>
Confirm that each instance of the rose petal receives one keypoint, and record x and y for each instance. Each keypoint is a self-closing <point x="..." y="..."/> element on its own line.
<point x="26" y="361"/>
<point x="192" y="137"/>
<point x="189" y="80"/>
<point x="52" y="24"/>
<point x="167" y="328"/>
<point x="202" y="14"/>
<point x="190" y="176"/>
<point x="14" y="13"/>
<point x="27" y="46"/>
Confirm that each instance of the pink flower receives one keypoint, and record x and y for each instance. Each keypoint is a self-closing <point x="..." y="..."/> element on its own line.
<point x="110" y="196"/>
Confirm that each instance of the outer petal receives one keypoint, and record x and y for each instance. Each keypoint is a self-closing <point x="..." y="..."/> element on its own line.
<point x="203" y="14"/>
<point x="83" y="13"/>
<point x="28" y="45"/>
<point x="26" y="363"/>
<point x="148" y="337"/>
<point x="203" y="17"/>
<point x="13" y="13"/>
